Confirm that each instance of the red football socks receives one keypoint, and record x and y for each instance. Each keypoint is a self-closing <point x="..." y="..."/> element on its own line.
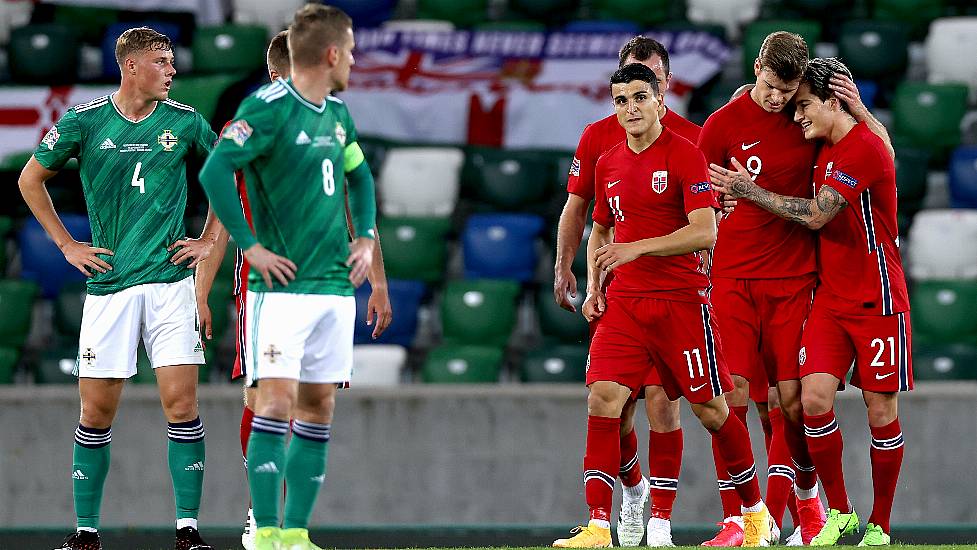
<point x="665" y="463"/>
<point x="630" y="465"/>
<point x="826" y="446"/>
<point x="780" y="475"/>
<point x="247" y="415"/>
<point x="601" y="460"/>
<point x="734" y="445"/>
<point x="886" y="455"/>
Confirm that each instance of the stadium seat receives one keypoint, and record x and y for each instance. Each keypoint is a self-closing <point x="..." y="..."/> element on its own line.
<point x="420" y="181"/>
<point x="479" y="312"/>
<point x="229" y="49"/>
<point x="377" y="365"/>
<point x="950" y="47"/>
<point x="110" y="67"/>
<point x="963" y="177"/>
<point x="414" y="248"/>
<point x="557" y="323"/>
<point x="508" y="180"/>
<point x="602" y="26"/>
<point x="6" y="225"/>
<point x="68" y="308"/>
<point x="943" y="245"/>
<point x="644" y="12"/>
<point x="89" y="23"/>
<point x="501" y="246"/>
<point x="405" y="299"/>
<point x="16" y="310"/>
<point x="366" y="13"/>
<point x="916" y="14"/>
<point x="555" y="364"/>
<point x="911" y="171"/>
<point x="8" y="364"/>
<point x="510" y="25"/>
<point x="42" y="261"/>
<point x="945" y="362"/>
<point x="579" y="265"/>
<point x="733" y="14"/>
<point x="13" y="14"/>
<point x="545" y="11"/>
<point x="275" y="16"/>
<point x="220" y="300"/>
<point x="201" y="92"/>
<point x="462" y="365"/>
<point x="875" y="50"/>
<point x="943" y="311"/>
<point x="463" y="13"/>
<point x="57" y="366"/>
<point x="928" y="115"/>
<point x="867" y="90"/>
<point x="758" y="30"/>
<point x="419" y="25"/>
<point x="46" y="54"/>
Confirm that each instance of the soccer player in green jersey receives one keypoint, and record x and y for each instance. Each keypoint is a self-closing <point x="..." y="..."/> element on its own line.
<point x="294" y="142"/>
<point x="132" y="147"/>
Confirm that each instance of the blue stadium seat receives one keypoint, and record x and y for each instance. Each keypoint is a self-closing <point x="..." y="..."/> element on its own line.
<point x="501" y="246"/>
<point x="42" y="261"/>
<point x="603" y="26"/>
<point x="405" y="298"/>
<point x="110" y="68"/>
<point x="963" y="177"/>
<point x="867" y="89"/>
<point x="367" y="13"/>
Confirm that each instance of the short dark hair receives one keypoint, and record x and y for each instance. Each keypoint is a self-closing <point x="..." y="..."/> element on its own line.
<point x="818" y="75"/>
<point x="784" y="53"/>
<point x="278" y="54"/>
<point x="642" y="48"/>
<point x="635" y="71"/>
<point x="315" y="28"/>
<point x="140" y="39"/>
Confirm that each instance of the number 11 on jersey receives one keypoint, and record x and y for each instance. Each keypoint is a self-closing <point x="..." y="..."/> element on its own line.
<point x="137" y="181"/>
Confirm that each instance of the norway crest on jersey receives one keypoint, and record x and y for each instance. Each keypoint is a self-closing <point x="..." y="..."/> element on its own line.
<point x="659" y="181"/>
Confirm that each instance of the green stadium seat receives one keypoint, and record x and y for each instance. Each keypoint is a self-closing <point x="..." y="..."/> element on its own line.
<point x="414" y="248"/>
<point x="579" y="266"/>
<point x="916" y="14"/>
<point x="758" y="30"/>
<point x="479" y="312"/>
<point x="6" y="225"/>
<point x="874" y="50"/>
<point x="558" y="323"/>
<point x="555" y="364"/>
<point x="911" y="171"/>
<point x="462" y="365"/>
<point x="547" y="11"/>
<point x="8" y="364"/>
<point x="68" y="309"/>
<point x="942" y="311"/>
<point x="928" y="115"/>
<point x="511" y="25"/>
<point x="16" y="310"/>
<point x="220" y="301"/>
<point x="463" y="13"/>
<point x="44" y="54"/>
<point x="229" y="49"/>
<point x="509" y="180"/>
<point x="88" y="22"/>
<point x="945" y="362"/>
<point x="57" y="366"/>
<point x="644" y="12"/>
<point x="201" y="92"/>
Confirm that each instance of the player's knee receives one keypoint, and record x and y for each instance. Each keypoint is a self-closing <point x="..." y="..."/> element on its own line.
<point x="882" y="409"/>
<point x="603" y="402"/>
<point x="710" y="414"/>
<point x="664" y="415"/>
<point x="181" y="410"/>
<point x="740" y="394"/>
<point x="814" y="402"/>
<point x="792" y="411"/>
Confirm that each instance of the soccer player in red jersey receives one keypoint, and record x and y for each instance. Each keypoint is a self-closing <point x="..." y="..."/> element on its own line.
<point x="861" y="306"/>
<point x="378" y="307"/>
<point x="665" y="434"/>
<point x="653" y="190"/>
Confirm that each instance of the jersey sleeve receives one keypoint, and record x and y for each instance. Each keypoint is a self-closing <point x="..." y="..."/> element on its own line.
<point x="61" y="142"/>
<point x="204" y="139"/>
<point x="602" y="211"/>
<point x="693" y="176"/>
<point x="712" y="143"/>
<point x="580" y="181"/>
<point x="851" y="172"/>
<point x="352" y="153"/>
<point x="250" y="134"/>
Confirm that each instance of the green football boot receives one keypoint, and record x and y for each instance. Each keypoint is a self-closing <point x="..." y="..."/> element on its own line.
<point x="296" y="539"/>
<point x="874" y="536"/>
<point x="268" y="538"/>
<point x="836" y="526"/>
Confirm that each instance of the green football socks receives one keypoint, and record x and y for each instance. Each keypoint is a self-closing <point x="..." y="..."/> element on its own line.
<point x="89" y="468"/>
<point x="186" y="459"/>
<point x="266" y="464"/>
<point x="305" y="471"/>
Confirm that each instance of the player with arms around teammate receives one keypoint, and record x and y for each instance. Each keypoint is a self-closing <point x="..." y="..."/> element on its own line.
<point x="132" y="148"/>
<point x="295" y="143"/>
<point x="665" y="435"/>
<point x="378" y="307"/>
<point x="653" y="190"/>
<point x="861" y="306"/>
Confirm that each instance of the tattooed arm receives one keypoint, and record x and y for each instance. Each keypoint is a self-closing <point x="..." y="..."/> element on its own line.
<point x="811" y="213"/>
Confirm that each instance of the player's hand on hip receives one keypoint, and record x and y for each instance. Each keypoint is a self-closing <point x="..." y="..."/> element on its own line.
<point x="84" y="257"/>
<point x="594" y="306"/>
<point x="195" y="250"/>
<point x="269" y="265"/>
<point x="735" y="184"/>
<point x="378" y="309"/>
<point x="360" y="259"/>
<point x="614" y="255"/>
<point x="564" y="288"/>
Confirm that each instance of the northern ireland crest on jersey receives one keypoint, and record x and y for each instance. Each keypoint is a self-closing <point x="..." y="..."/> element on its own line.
<point x="341" y="134"/>
<point x="167" y="140"/>
<point x="51" y="138"/>
<point x="659" y="181"/>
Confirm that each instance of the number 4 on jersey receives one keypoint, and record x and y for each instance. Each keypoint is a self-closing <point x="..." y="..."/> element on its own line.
<point x="137" y="181"/>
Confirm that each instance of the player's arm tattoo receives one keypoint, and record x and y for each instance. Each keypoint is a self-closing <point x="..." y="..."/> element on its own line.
<point x="812" y="213"/>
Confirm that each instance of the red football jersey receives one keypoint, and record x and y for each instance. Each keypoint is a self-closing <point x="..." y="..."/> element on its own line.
<point x="241" y="266"/>
<point x="753" y="243"/>
<point x="600" y="136"/>
<point x="650" y="194"/>
<point x="858" y="251"/>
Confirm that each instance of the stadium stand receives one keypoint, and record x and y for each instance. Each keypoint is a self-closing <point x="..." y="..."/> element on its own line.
<point x="732" y="14"/>
<point x="462" y="13"/>
<point x="415" y="248"/>
<point x="943" y="311"/>
<point x="644" y="12"/>
<point x="229" y="49"/>
<point x="558" y="324"/>
<point x="405" y="299"/>
<point x="420" y="181"/>
<point x="946" y="37"/>
<point x="874" y="50"/>
<point x="963" y="177"/>
<point x="378" y="365"/>
<point x="501" y="246"/>
<point x="16" y="309"/>
<point x="507" y="180"/>
<point x="943" y="245"/>
<point x="463" y="365"/>
<point x="42" y="262"/>
<point x="44" y="54"/>
<point x="479" y="312"/>
<point x="928" y="115"/>
<point x="560" y="363"/>
<point x="367" y="13"/>
<point x="945" y="362"/>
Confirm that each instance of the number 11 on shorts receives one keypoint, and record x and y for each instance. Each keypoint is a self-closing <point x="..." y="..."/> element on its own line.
<point x="698" y="360"/>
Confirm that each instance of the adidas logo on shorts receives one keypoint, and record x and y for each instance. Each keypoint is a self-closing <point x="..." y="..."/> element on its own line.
<point x="267" y="468"/>
<point x="197" y="466"/>
<point x="78" y="474"/>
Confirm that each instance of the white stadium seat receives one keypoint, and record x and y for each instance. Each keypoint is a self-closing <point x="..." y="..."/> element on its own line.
<point x="951" y="52"/>
<point x="377" y="365"/>
<point x="13" y="13"/>
<point x="943" y="245"/>
<point x="733" y="14"/>
<point x="418" y="25"/>
<point x="420" y="181"/>
<point x="274" y="15"/>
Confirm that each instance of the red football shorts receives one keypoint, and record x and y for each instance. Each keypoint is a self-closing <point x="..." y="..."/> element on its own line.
<point x="680" y="339"/>
<point x="239" y="347"/>
<point x="879" y="345"/>
<point x="761" y="321"/>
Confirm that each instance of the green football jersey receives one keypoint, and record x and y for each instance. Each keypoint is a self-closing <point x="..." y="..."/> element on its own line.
<point x="294" y="155"/>
<point x="134" y="178"/>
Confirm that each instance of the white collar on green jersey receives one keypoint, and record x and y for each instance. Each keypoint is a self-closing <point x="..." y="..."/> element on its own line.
<point x="127" y="119"/>
<point x="287" y="82"/>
